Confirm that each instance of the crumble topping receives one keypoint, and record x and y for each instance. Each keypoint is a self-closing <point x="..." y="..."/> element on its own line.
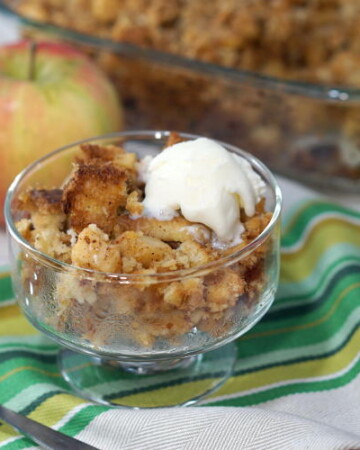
<point x="94" y="222"/>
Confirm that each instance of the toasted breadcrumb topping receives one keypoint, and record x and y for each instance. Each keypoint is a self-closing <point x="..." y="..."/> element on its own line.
<point x="94" y="222"/>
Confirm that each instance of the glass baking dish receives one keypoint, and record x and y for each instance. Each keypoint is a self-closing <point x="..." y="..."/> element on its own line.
<point x="308" y="132"/>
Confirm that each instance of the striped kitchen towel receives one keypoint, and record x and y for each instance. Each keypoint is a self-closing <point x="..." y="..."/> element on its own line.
<point x="296" y="376"/>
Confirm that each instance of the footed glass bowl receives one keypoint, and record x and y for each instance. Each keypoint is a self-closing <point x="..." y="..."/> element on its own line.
<point x="124" y="333"/>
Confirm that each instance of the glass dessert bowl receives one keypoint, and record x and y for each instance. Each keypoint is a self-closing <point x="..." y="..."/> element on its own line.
<point x="136" y="302"/>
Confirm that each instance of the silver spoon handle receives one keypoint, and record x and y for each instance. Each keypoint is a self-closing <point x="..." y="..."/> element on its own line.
<point x="42" y="435"/>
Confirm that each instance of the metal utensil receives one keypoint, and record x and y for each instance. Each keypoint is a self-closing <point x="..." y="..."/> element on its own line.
<point x="42" y="435"/>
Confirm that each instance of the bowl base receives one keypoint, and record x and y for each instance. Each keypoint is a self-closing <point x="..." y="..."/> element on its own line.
<point x="147" y="384"/>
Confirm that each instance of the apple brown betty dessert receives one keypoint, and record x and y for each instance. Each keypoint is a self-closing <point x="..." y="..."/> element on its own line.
<point x="95" y="221"/>
<point x="275" y="37"/>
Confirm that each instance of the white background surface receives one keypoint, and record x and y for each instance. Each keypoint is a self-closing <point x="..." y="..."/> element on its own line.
<point x="8" y="29"/>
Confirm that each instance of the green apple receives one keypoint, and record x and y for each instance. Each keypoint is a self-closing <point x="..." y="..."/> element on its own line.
<point x="50" y="95"/>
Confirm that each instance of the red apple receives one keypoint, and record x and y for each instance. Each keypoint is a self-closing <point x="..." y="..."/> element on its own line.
<point x="50" y="96"/>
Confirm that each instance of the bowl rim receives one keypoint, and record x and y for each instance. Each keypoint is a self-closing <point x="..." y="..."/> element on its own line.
<point x="156" y="135"/>
<point x="330" y="93"/>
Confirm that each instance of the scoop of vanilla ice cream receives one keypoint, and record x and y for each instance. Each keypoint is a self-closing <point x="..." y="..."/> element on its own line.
<point x="203" y="180"/>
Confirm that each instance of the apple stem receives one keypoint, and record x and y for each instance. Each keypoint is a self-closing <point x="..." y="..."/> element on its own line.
<point x="32" y="54"/>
